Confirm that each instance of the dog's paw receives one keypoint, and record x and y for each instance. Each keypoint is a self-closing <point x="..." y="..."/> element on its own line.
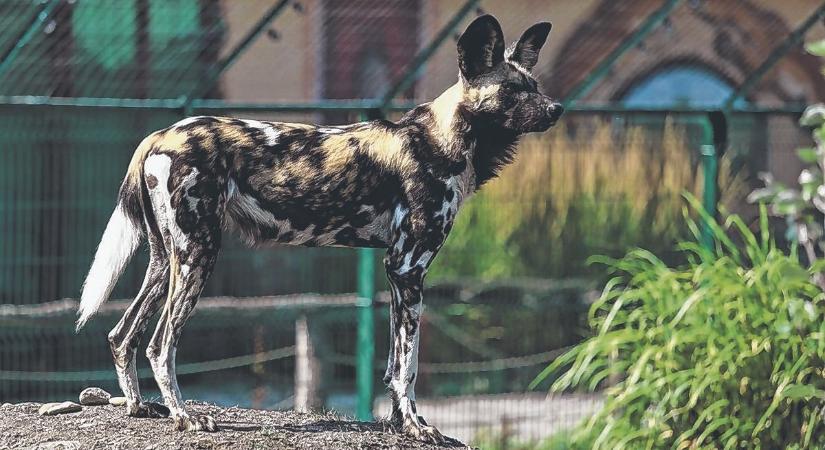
<point x="195" y="423"/>
<point x="150" y="410"/>
<point x="424" y="433"/>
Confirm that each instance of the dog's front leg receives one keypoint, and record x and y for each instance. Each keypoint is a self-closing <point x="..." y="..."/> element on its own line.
<point x="406" y="263"/>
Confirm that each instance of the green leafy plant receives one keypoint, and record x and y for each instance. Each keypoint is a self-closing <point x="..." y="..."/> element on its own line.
<point x="803" y="206"/>
<point x="725" y="351"/>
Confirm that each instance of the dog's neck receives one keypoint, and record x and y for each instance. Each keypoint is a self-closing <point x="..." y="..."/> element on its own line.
<point x="448" y="128"/>
<point x="486" y="146"/>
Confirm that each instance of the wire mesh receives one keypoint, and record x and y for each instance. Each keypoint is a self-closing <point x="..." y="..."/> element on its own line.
<point x="509" y="290"/>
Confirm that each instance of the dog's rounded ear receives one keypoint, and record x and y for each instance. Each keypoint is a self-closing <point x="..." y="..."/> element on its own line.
<point x="525" y="51"/>
<point x="480" y="47"/>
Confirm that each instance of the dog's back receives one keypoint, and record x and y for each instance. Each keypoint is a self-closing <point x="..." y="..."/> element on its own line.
<point x="284" y="183"/>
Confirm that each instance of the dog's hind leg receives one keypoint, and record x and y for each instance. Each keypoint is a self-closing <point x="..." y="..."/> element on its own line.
<point x="189" y="271"/>
<point x="188" y="205"/>
<point x="125" y="336"/>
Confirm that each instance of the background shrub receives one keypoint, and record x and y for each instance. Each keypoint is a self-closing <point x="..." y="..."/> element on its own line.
<point x="725" y="351"/>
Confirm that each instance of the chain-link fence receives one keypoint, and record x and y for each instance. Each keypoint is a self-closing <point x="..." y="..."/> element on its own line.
<point x="82" y="82"/>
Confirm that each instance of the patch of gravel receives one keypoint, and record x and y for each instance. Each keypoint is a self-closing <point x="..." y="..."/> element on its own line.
<point x="108" y="427"/>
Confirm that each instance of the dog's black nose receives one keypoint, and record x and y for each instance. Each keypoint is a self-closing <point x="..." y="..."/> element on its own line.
<point x="555" y="110"/>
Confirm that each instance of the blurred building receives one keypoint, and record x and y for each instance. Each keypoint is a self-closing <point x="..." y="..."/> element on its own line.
<point x="702" y="51"/>
<point x="316" y="49"/>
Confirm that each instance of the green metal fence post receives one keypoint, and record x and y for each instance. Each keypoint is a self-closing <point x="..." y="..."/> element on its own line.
<point x="710" y="170"/>
<point x="366" y="332"/>
<point x="713" y="130"/>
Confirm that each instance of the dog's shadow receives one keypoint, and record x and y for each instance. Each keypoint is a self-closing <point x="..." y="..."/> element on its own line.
<point x="326" y="426"/>
<point x="238" y="426"/>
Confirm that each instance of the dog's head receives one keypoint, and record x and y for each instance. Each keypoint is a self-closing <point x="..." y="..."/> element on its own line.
<point x="498" y="85"/>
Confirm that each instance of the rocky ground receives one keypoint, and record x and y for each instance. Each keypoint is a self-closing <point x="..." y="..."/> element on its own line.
<point x="108" y="427"/>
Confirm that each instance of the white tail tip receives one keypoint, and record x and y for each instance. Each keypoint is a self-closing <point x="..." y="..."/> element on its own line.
<point x="119" y="242"/>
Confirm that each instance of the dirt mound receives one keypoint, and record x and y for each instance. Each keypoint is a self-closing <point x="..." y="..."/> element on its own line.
<point x="108" y="427"/>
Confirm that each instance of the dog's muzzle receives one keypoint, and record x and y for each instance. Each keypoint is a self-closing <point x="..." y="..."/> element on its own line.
<point x="554" y="111"/>
<point x="550" y="114"/>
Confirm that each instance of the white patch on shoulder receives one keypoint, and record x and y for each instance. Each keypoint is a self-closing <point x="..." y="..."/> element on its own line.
<point x="269" y="131"/>
<point x="254" y="123"/>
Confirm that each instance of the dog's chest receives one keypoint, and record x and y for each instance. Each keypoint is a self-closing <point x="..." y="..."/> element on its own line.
<point x="458" y="189"/>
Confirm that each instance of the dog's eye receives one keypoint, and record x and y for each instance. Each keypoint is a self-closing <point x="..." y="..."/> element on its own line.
<point x="511" y="87"/>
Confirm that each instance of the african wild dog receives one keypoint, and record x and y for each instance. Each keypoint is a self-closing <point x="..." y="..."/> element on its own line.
<point x="372" y="184"/>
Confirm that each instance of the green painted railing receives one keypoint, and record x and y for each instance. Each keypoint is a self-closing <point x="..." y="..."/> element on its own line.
<point x="366" y="333"/>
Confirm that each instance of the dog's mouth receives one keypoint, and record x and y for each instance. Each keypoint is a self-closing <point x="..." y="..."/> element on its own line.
<point x="543" y="125"/>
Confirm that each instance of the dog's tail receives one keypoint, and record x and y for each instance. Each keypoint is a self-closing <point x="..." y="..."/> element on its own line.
<point x="122" y="237"/>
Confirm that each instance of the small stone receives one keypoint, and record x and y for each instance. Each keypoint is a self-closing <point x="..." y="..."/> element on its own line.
<point x="117" y="401"/>
<point x="58" y="445"/>
<point x="6" y="405"/>
<point x="50" y="409"/>
<point x="94" y="396"/>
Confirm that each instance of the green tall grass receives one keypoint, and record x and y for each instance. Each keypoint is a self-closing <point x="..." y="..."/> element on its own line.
<point x="725" y="351"/>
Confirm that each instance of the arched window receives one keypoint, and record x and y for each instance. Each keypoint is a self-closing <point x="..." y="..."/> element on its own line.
<point x="680" y="86"/>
